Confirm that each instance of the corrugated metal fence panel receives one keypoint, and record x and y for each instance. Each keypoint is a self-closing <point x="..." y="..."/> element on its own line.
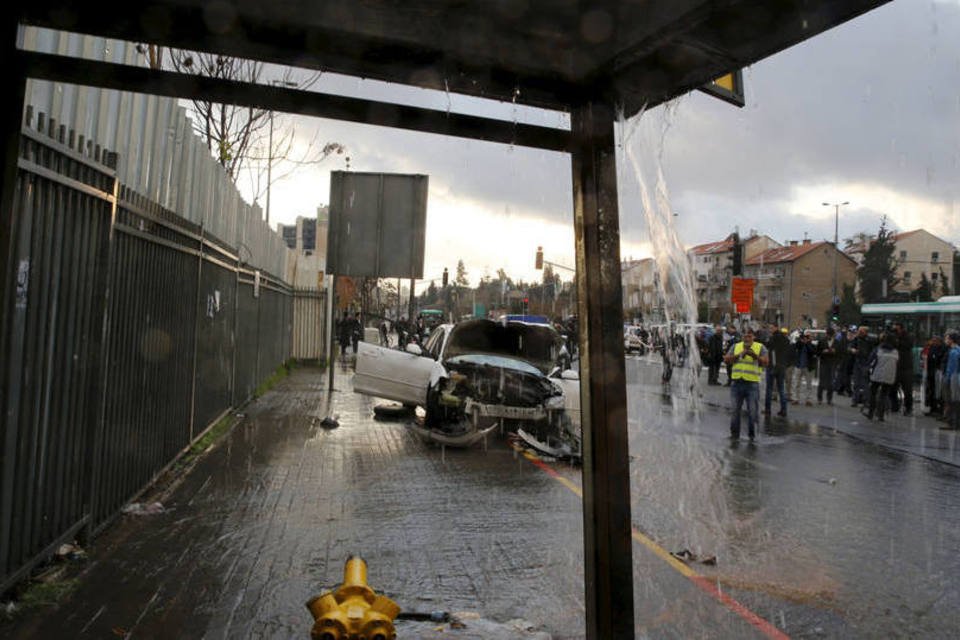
<point x="152" y="133"/>
<point x="309" y="307"/>
<point x="65" y="205"/>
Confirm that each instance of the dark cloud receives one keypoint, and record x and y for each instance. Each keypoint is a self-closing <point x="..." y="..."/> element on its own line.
<point x="868" y="112"/>
<point x="873" y="103"/>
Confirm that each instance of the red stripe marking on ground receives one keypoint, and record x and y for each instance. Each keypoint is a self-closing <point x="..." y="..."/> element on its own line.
<point x="702" y="582"/>
<point x="765" y="627"/>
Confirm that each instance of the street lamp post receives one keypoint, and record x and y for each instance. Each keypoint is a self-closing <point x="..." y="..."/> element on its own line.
<point x="836" y="246"/>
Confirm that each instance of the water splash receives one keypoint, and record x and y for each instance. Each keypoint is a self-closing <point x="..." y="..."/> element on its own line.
<point x="642" y="146"/>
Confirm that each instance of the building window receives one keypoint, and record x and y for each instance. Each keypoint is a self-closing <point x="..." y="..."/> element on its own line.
<point x="934" y="257"/>
<point x="903" y="255"/>
<point x="933" y="277"/>
<point x="906" y="277"/>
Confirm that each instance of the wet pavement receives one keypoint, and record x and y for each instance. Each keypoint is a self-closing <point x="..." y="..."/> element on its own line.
<point x="828" y="526"/>
<point x="815" y="533"/>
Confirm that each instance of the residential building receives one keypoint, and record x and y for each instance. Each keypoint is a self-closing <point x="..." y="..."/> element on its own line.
<point x="794" y="283"/>
<point x="308" y="238"/>
<point x="920" y="253"/>
<point x="712" y="266"/>
<point x="308" y="235"/>
<point x="640" y="300"/>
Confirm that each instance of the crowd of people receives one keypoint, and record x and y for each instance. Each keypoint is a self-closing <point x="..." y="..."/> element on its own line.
<point x="876" y="372"/>
<point x="349" y="331"/>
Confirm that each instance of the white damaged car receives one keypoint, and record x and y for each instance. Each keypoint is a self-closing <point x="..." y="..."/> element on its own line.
<point x="475" y="375"/>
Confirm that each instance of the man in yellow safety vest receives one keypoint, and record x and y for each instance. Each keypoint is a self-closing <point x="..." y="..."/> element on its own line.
<point x="747" y="359"/>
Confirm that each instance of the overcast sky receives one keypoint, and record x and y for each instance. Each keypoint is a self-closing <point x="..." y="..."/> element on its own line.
<point x="868" y="113"/>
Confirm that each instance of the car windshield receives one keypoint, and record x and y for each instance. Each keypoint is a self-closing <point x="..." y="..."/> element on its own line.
<point x="533" y="343"/>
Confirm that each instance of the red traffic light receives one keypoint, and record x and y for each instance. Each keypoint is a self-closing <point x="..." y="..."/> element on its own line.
<point x="526" y="300"/>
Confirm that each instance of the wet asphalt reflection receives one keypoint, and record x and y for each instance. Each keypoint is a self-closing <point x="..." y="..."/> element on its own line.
<point x="819" y="533"/>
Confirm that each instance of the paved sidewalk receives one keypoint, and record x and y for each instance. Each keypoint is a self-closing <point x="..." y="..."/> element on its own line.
<point x="267" y="518"/>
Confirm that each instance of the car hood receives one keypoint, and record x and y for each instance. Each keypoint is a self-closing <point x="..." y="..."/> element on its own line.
<point x="536" y="345"/>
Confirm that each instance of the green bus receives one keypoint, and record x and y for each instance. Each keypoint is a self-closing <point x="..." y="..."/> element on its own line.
<point x="922" y="320"/>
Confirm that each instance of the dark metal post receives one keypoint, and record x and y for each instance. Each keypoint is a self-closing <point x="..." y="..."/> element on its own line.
<point x="608" y="557"/>
<point x="198" y="309"/>
<point x="410" y="302"/>
<point x="333" y="338"/>
<point x="12" y="110"/>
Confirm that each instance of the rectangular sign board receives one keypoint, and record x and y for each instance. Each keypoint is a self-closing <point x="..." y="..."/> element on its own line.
<point x="741" y="293"/>
<point x="377" y="224"/>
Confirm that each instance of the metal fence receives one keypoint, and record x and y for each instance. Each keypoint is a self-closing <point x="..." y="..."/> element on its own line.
<point x="309" y="328"/>
<point x="132" y="331"/>
<point x="162" y="158"/>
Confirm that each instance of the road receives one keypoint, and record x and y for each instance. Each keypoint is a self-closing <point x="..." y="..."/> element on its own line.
<point x="825" y="527"/>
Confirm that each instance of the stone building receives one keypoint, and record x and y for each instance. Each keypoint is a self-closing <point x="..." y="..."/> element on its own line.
<point x="795" y="282"/>
<point x="639" y="281"/>
<point x="712" y="266"/>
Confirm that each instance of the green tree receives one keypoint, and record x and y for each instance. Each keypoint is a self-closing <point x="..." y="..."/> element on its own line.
<point x="879" y="267"/>
<point x="461" y="280"/>
<point x="944" y="284"/>
<point x="239" y="137"/>
<point x="923" y="292"/>
<point x="849" y="308"/>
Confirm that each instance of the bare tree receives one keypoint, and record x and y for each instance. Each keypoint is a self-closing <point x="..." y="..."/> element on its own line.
<point x="238" y="136"/>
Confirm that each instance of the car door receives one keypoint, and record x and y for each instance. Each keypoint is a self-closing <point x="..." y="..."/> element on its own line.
<point x="392" y="374"/>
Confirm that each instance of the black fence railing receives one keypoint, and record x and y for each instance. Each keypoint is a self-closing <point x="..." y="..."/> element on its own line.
<point x="131" y="332"/>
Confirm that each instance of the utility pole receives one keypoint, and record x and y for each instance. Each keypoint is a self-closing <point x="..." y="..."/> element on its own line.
<point x="836" y="248"/>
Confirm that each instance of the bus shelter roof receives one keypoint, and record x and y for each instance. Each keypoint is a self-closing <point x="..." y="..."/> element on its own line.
<point x="552" y="54"/>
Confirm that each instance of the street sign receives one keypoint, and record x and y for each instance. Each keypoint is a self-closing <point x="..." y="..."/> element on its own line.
<point x="741" y="293"/>
<point x="728" y="88"/>
<point x="377" y="224"/>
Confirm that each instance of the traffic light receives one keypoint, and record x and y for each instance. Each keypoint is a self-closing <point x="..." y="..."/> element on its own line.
<point x="446" y="276"/>
<point x="737" y="255"/>
<point x="836" y="312"/>
<point x="539" y="260"/>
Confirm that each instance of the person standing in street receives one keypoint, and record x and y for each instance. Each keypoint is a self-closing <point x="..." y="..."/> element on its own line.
<point x="779" y="349"/>
<point x="861" y="347"/>
<point x="715" y="355"/>
<point x="843" y="367"/>
<point x="951" y="382"/>
<point x="883" y="375"/>
<point x="345" y="333"/>
<point x="904" y="382"/>
<point x="827" y="354"/>
<point x="933" y="386"/>
<point x="746" y="360"/>
<point x="806" y="365"/>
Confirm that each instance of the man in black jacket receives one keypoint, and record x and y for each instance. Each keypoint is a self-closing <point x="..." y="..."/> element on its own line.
<point x="904" y="381"/>
<point x="827" y="352"/>
<point x="780" y="358"/>
<point x="936" y="354"/>
<point x="860" y="348"/>
<point x="715" y="355"/>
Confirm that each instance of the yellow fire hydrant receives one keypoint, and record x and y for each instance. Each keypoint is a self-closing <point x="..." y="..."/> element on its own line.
<point x="353" y="611"/>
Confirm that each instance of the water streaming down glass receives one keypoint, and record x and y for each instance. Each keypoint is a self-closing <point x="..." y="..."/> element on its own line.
<point x="642" y="140"/>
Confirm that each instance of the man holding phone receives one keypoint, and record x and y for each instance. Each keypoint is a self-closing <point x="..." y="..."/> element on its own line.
<point x="747" y="359"/>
